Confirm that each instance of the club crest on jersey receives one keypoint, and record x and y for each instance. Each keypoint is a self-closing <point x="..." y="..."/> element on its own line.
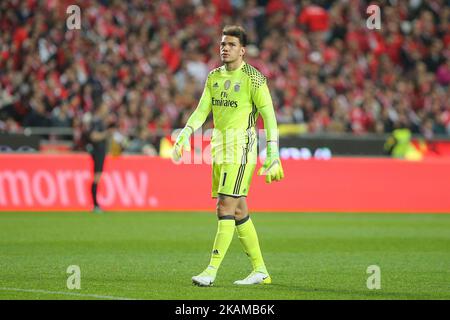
<point x="227" y="84"/>
<point x="237" y="87"/>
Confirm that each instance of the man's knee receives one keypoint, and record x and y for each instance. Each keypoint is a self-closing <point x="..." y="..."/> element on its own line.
<point x="241" y="209"/>
<point x="240" y="214"/>
<point x="226" y="206"/>
<point x="224" y="209"/>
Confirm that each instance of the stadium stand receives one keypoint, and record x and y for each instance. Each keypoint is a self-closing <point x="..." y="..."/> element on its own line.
<point x="149" y="60"/>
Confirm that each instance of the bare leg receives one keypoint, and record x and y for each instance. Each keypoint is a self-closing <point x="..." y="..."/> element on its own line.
<point x="241" y="210"/>
<point x="226" y="206"/>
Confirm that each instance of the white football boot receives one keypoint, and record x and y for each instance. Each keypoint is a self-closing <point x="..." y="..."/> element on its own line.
<point x="205" y="279"/>
<point x="255" y="278"/>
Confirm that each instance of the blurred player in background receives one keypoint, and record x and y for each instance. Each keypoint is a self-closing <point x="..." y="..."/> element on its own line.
<point x="236" y="93"/>
<point x="99" y="134"/>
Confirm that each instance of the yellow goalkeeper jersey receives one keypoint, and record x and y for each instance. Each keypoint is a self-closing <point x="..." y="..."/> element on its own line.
<point x="235" y="98"/>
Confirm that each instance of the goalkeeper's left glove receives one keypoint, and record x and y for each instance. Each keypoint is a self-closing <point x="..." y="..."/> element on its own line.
<point x="182" y="143"/>
<point x="272" y="168"/>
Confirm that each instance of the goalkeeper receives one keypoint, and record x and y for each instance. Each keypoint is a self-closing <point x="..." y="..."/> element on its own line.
<point x="236" y="93"/>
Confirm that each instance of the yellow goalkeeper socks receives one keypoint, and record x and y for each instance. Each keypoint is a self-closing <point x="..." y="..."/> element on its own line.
<point x="249" y="240"/>
<point x="225" y="232"/>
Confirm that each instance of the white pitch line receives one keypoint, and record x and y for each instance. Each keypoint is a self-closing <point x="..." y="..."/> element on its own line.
<point x="65" y="293"/>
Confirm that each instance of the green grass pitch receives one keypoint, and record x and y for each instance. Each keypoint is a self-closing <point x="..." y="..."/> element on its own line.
<point x="154" y="256"/>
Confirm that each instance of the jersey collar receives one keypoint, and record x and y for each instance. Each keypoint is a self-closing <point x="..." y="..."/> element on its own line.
<point x="234" y="71"/>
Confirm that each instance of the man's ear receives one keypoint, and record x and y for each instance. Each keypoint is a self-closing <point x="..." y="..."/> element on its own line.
<point x="242" y="51"/>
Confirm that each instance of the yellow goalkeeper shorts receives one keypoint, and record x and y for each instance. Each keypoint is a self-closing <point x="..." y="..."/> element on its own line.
<point x="233" y="178"/>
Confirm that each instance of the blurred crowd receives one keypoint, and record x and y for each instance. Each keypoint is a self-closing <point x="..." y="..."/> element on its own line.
<point x="149" y="59"/>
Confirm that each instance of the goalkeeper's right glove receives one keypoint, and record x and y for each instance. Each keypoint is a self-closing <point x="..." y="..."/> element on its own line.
<point x="182" y="143"/>
<point x="272" y="168"/>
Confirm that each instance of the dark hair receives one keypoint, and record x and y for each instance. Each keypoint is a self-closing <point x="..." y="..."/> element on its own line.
<point x="236" y="31"/>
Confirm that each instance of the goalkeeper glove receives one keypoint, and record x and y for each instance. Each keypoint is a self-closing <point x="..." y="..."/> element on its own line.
<point x="272" y="168"/>
<point x="182" y="143"/>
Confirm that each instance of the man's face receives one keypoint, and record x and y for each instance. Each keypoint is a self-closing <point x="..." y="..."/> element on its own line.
<point x="230" y="49"/>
